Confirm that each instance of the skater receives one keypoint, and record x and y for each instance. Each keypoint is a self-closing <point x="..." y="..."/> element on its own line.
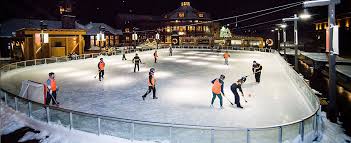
<point x="226" y="56"/>
<point x="52" y="89"/>
<point x="155" y="56"/>
<point x="257" y="69"/>
<point x="151" y="85"/>
<point x="101" y="67"/>
<point x="234" y="88"/>
<point x="217" y="89"/>
<point x="123" y="54"/>
<point x="136" y="60"/>
<point x="170" y="51"/>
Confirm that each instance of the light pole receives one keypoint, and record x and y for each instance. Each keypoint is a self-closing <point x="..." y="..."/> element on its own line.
<point x="283" y="26"/>
<point x="333" y="51"/>
<point x="134" y="38"/>
<point x="278" y="44"/>
<point x="101" y="36"/>
<point x="296" y="40"/>
<point x="157" y="36"/>
<point x="43" y="26"/>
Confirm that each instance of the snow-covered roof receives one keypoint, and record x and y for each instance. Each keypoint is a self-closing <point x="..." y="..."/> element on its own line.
<point x="10" y="26"/>
<point x="94" y="28"/>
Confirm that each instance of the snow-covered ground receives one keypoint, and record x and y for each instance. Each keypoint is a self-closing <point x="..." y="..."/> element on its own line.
<point x="183" y="88"/>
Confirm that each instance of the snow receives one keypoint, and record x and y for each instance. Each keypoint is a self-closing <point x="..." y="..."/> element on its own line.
<point x="11" y="121"/>
<point x="183" y="88"/>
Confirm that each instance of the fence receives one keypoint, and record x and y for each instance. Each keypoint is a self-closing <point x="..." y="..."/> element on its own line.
<point x="165" y="132"/>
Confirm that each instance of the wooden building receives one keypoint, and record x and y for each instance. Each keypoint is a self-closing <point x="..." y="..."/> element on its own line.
<point x="61" y="42"/>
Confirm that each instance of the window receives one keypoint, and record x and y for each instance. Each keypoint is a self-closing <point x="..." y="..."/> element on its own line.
<point x="185" y="4"/>
<point x="201" y="15"/>
<point x="168" y="29"/>
<point x="126" y="30"/>
<point x="181" y="14"/>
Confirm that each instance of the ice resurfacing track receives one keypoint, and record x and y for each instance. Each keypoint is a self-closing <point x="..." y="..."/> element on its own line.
<point x="183" y="84"/>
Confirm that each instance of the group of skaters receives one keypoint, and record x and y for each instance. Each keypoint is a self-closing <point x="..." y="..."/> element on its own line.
<point x="218" y="84"/>
<point x="217" y="88"/>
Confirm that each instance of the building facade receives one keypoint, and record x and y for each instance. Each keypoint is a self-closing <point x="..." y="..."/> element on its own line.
<point x="188" y="26"/>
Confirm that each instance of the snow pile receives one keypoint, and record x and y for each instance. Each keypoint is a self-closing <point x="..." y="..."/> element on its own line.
<point x="12" y="121"/>
<point x="331" y="132"/>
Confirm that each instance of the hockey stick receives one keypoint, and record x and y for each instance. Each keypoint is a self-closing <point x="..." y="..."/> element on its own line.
<point x="96" y="74"/>
<point x="56" y="103"/>
<point x="244" y="98"/>
<point x="229" y="100"/>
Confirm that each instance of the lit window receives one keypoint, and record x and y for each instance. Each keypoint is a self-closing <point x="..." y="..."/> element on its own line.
<point x="347" y="23"/>
<point x="185" y="4"/>
<point x="316" y="26"/>
<point x="201" y="15"/>
<point x="126" y="30"/>
<point x="181" y="14"/>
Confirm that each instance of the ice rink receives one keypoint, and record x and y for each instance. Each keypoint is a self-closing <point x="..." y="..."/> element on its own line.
<point x="183" y="84"/>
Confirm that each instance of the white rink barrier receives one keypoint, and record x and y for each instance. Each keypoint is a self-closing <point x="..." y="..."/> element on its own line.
<point x="167" y="132"/>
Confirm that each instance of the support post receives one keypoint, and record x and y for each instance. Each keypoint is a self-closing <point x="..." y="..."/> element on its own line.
<point x="296" y="43"/>
<point x="47" y="114"/>
<point x="70" y="121"/>
<point x="29" y="109"/>
<point x="99" y="125"/>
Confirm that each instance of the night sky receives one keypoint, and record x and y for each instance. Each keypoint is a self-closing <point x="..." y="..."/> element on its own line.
<point x="105" y="10"/>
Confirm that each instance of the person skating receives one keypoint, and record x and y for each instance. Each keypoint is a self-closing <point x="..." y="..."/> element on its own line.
<point x="151" y="82"/>
<point x="136" y="60"/>
<point x="217" y="89"/>
<point x="170" y="51"/>
<point x="101" y="67"/>
<point x="123" y="54"/>
<point x="234" y="87"/>
<point x="226" y="56"/>
<point x="52" y="89"/>
<point x="155" y="56"/>
<point x="257" y="69"/>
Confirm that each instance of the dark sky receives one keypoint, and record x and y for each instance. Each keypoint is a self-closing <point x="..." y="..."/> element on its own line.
<point x="105" y="10"/>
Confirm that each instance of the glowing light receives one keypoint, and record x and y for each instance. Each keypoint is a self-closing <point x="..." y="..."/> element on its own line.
<point x="305" y="16"/>
<point x="283" y="25"/>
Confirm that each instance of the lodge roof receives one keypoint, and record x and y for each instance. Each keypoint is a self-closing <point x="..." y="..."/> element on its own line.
<point x="9" y="27"/>
<point x="190" y="13"/>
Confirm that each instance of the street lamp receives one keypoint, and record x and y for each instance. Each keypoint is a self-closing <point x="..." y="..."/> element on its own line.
<point x="134" y="38"/>
<point x="44" y="37"/>
<point x="157" y="36"/>
<point x="296" y="43"/>
<point x="333" y="51"/>
<point x="283" y="26"/>
<point x="278" y="43"/>
<point x="101" y="36"/>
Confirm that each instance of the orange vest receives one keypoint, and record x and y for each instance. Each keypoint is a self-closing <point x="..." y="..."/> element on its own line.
<point x="216" y="88"/>
<point x="53" y="84"/>
<point x="152" y="83"/>
<point x="226" y="55"/>
<point x="101" y="65"/>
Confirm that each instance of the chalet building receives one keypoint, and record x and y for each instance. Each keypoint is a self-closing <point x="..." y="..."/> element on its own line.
<point x="21" y="39"/>
<point x="188" y="26"/>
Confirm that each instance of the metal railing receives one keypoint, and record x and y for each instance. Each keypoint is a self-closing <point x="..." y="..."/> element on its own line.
<point x="168" y="132"/>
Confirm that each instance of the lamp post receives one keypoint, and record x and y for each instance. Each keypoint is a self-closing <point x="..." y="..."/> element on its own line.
<point x="296" y="42"/>
<point x="134" y="38"/>
<point x="43" y="26"/>
<point x="157" y="36"/>
<point x="333" y="51"/>
<point x="101" y="36"/>
<point x="283" y="26"/>
<point x="278" y="43"/>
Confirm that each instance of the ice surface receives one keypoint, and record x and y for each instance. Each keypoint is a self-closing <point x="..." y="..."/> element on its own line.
<point x="183" y="88"/>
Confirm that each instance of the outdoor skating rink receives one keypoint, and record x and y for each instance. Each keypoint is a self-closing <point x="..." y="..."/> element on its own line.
<point x="183" y="84"/>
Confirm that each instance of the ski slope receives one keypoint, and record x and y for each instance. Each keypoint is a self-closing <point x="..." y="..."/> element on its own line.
<point x="183" y="84"/>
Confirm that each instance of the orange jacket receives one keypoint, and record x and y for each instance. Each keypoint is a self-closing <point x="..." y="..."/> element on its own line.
<point x="226" y="55"/>
<point x="52" y="84"/>
<point x="101" y="65"/>
<point x="216" y="88"/>
<point x="151" y="81"/>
